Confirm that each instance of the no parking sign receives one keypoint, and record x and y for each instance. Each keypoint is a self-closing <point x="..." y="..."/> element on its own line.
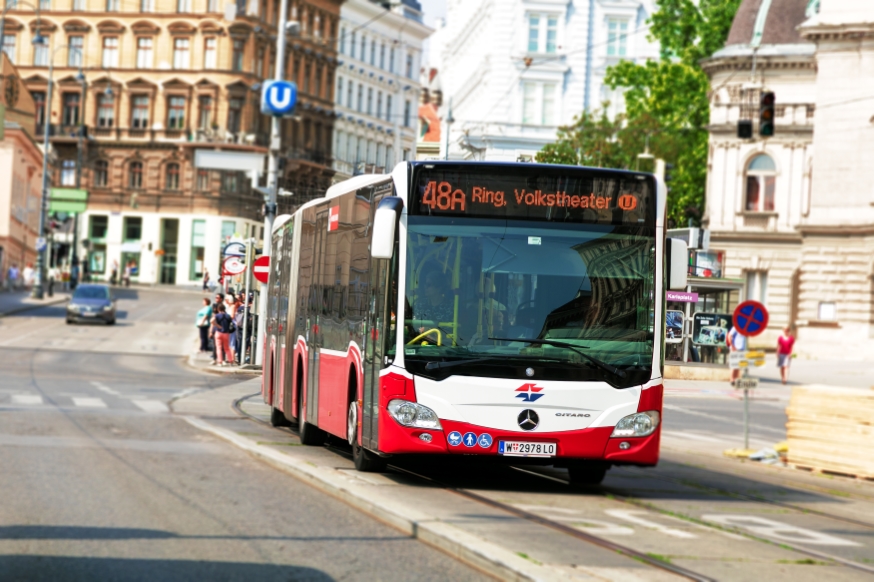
<point x="750" y="318"/>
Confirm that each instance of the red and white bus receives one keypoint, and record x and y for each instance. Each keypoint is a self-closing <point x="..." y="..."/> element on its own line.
<point x="470" y="308"/>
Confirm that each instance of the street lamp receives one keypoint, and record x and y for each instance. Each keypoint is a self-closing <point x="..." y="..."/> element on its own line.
<point x="44" y="203"/>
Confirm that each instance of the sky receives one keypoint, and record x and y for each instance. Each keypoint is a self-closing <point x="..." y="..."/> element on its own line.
<point x="431" y="10"/>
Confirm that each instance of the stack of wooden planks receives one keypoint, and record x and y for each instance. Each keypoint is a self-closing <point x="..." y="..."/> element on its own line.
<point x="832" y="430"/>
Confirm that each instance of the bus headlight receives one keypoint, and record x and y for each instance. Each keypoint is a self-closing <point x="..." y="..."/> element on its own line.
<point x="413" y="414"/>
<point x="639" y="424"/>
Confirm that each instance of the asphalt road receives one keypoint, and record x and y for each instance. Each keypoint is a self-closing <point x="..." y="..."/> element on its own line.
<point x="100" y="482"/>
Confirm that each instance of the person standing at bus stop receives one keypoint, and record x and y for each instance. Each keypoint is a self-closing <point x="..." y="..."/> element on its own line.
<point x="785" y="343"/>
<point x="222" y="322"/>
<point x="736" y="343"/>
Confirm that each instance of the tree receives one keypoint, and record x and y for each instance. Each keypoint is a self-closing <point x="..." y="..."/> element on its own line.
<point x="675" y="91"/>
<point x="667" y="105"/>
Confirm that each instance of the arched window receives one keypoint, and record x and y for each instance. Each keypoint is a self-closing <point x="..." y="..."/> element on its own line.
<point x="135" y="178"/>
<point x="101" y="173"/>
<point x="172" y="179"/>
<point x="761" y="177"/>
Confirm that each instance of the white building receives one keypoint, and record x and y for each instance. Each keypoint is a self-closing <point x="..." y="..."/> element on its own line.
<point x="377" y="85"/>
<point x="793" y="215"/>
<point x="169" y="248"/>
<point x="516" y="70"/>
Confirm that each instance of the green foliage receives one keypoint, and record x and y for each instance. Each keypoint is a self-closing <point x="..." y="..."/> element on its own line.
<point x="665" y="99"/>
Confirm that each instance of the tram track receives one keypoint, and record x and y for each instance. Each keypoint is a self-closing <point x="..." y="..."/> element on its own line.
<point x="622" y="496"/>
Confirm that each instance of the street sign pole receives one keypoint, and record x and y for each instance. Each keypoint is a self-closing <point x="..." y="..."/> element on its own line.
<point x="272" y="165"/>
<point x="750" y="319"/>
<point x="250" y="258"/>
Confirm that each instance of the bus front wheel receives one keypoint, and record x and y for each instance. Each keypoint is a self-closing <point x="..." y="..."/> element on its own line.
<point x="365" y="461"/>
<point x="587" y="473"/>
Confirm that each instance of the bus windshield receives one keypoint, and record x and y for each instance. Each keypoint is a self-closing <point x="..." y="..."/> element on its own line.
<point x="473" y="284"/>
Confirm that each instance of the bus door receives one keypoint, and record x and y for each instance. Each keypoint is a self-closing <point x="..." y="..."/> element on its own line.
<point x="378" y="322"/>
<point x="317" y="311"/>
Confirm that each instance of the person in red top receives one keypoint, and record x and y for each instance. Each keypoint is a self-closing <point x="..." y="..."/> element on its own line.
<point x="784" y="352"/>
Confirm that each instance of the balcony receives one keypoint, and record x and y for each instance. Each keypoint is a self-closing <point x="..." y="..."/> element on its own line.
<point x="316" y="157"/>
<point x="57" y="130"/>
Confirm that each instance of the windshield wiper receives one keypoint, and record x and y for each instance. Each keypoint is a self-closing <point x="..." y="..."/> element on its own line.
<point x="599" y="363"/>
<point x="450" y="364"/>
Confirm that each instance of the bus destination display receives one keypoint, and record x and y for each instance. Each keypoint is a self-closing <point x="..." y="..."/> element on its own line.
<point x="577" y="198"/>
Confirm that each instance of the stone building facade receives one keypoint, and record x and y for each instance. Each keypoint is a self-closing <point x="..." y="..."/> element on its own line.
<point x="377" y="85"/>
<point x="20" y="173"/>
<point x="513" y="71"/>
<point x="162" y="80"/>
<point x="790" y="213"/>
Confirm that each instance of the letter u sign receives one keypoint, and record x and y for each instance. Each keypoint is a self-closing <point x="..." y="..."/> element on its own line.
<point x="278" y="98"/>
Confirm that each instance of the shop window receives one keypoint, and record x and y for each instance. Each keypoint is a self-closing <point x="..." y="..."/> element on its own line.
<point x="761" y="177"/>
<point x="198" y="243"/>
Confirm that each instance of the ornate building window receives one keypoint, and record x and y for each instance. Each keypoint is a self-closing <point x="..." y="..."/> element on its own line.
<point x="74" y="53"/>
<point x="105" y="111"/>
<point x="110" y="52"/>
<point x="176" y="113"/>
<point x="761" y="178"/>
<point x="140" y="112"/>
<point x="135" y="175"/>
<point x="101" y="173"/>
<point x="144" y="52"/>
<point x="181" y="53"/>
<point x="209" y="58"/>
<point x="172" y="178"/>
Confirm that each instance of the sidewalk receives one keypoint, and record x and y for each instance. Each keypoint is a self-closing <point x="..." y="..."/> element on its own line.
<point x="201" y="363"/>
<point x="12" y="302"/>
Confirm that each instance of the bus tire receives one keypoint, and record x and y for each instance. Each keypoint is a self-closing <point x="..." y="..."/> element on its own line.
<point x="277" y="417"/>
<point x="310" y="435"/>
<point x="365" y="461"/>
<point x="587" y="473"/>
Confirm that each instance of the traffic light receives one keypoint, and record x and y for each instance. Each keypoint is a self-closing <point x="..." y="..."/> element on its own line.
<point x="745" y="129"/>
<point x="766" y="114"/>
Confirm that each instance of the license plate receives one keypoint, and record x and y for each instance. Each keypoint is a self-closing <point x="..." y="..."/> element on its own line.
<point x="526" y="449"/>
<point x="88" y="314"/>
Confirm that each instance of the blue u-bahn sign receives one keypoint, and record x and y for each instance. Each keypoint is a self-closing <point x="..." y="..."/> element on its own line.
<point x="278" y="98"/>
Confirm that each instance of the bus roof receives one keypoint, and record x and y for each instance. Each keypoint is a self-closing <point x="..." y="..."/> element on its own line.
<point x="280" y="221"/>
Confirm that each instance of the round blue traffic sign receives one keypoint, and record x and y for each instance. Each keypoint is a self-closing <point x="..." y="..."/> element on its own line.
<point x="278" y="98"/>
<point x="750" y="318"/>
<point x="469" y="439"/>
<point x="454" y="438"/>
<point x="485" y="440"/>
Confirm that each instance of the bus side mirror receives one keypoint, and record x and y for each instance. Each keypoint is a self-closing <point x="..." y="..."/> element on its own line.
<point x="677" y="257"/>
<point x="385" y="223"/>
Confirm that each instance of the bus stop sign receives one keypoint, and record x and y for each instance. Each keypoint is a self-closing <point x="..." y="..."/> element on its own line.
<point x="750" y="318"/>
<point x="261" y="269"/>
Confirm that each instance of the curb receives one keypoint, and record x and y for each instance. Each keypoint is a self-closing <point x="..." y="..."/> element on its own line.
<point x="468" y="548"/>
<point x="217" y="371"/>
<point x="24" y="308"/>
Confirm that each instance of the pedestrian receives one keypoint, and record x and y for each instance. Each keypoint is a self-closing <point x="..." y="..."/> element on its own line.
<point x="12" y="277"/>
<point x="231" y="309"/>
<point x="736" y="343"/>
<point x="128" y="270"/>
<point x="239" y="315"/>
<point x="54" y="275"/>
<point x="114" y="277"/>
<point x="219" y="300"/>
<point x="785" y="344"/>
<point x="222" y="325"/>
<point x="28" y="274"/>
<point x="205" y="280"/>
<point x="202" y="322"/>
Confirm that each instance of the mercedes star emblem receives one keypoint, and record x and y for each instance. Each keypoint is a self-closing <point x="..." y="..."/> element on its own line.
<point x="529" y="372"/>
<point x="528" y="419"/>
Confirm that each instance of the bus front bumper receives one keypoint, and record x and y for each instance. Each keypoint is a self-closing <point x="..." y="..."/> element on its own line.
<point x="590" y="443"/>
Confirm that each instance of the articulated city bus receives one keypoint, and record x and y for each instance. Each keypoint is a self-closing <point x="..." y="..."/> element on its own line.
<point x="468" y="308"/>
